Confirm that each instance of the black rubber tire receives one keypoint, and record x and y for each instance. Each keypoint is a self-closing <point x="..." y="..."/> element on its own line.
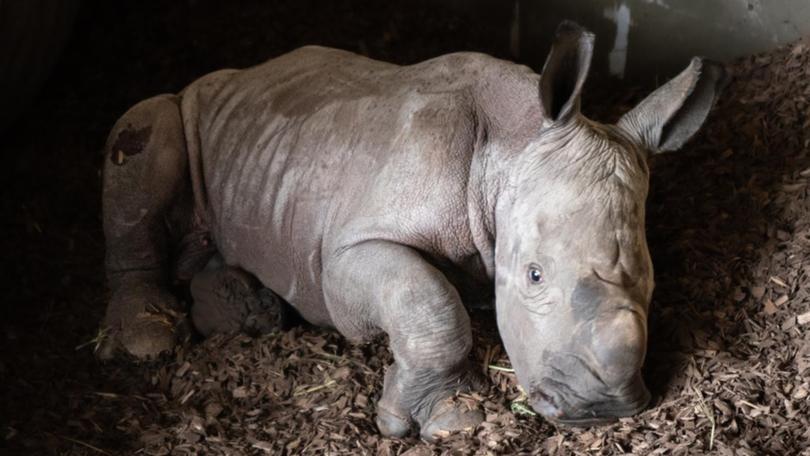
<point x="32" y="35"/>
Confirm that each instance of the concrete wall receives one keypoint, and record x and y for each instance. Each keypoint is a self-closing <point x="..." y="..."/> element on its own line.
<point x="648" y="39"/>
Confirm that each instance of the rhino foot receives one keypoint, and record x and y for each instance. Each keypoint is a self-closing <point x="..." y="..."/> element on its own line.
<point x="449" y="416"/>
<point x="446" y="417"/>
<point x="393" y="423"/>
<point x="428" y="399"/>
<point x="143" y="320"/>
<point x="228" y="300"/>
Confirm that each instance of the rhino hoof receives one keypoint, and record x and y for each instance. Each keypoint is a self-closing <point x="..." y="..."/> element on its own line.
<point x="142" y="320"/>
<point x="450" y="416"/>
<point x="145" y="339"/>
<point x="391" y="424"/>
<point x="149" y="336"/>
<point x="228" y="300"/>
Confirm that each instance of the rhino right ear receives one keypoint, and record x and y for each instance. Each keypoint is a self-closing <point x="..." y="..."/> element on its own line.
<point x="668" y="117"/>
<point x="565" y="71"/>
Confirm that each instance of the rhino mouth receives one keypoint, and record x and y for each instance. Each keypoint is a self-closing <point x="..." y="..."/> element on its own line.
<point x="568" y="407"/>
<point x="601" y="416"/>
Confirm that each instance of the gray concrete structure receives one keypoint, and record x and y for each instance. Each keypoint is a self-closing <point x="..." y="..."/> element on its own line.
<point x="643" y="39"/>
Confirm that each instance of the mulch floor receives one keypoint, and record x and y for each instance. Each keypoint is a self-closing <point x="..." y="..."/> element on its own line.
<point x="728" y="224"/>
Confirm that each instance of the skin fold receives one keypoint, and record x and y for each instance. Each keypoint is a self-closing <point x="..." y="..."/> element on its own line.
<point x="379" y="198"/>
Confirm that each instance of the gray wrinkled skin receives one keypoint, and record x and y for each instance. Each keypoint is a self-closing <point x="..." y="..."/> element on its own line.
<point x="376" y="198"/>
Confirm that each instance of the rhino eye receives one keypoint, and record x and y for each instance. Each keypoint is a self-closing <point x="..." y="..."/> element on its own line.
<point x="535" y="274"/>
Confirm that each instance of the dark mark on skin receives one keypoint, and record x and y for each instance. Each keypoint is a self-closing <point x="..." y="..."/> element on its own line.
<point x="586" y="297"/>
<point x="129" y="142"/>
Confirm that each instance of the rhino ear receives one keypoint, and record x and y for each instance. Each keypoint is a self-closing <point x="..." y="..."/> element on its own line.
<point x="668" y="117"/>
<point x="565" y="71"/>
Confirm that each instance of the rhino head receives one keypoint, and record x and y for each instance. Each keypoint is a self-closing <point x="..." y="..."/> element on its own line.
<point x="573" y="275"/>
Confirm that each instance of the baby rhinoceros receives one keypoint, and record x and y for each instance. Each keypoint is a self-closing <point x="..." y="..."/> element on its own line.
<point x="376" y="198"/>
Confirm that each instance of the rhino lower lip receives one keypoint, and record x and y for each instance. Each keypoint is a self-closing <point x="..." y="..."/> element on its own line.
<point x="554" y="406"/>
<point x="545" y="405"/>
<point x="605" y="415"/>
<point x="585" y="422"/>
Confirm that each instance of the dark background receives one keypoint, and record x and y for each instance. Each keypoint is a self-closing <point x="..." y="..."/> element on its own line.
<point x="725" y="215"/>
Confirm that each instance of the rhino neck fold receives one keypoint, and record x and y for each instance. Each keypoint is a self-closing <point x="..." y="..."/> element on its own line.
<point x="483" y="190"/>
<point x="507" y="117"/>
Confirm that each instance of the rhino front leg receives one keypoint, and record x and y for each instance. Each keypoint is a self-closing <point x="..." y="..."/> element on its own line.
<point x="145" y="175"/>
<point x="391" y="287"/>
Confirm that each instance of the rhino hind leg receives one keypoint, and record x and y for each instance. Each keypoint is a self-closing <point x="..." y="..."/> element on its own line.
<point x="391" y="287"/>
<point x="145" y="176"/>
<point x="229" y="300"/>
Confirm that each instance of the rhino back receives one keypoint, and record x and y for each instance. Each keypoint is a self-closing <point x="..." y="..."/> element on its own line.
<point x="321" y="149"/>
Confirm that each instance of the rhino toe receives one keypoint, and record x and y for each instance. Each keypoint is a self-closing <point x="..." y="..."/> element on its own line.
<point x="392" y="424"/>
<point x="450" y="416"/>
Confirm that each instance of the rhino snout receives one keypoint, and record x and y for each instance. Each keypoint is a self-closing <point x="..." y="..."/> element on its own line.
<point x="600" y="380"/>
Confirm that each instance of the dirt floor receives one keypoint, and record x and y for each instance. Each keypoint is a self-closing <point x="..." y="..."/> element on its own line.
<point x="728" y="224"/>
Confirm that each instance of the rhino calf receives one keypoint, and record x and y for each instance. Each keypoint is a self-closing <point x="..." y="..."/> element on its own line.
<point x="378" y="198"/>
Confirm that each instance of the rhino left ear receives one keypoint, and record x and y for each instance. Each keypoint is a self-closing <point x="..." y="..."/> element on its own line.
<point x="565" y="71"/>
<point x="668" y="117"/>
